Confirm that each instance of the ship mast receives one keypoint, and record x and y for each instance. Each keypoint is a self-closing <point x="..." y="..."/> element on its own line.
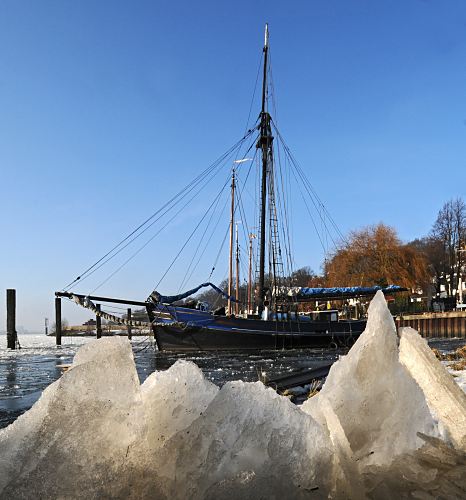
<point x="251" y="237"/>
<point x="265" y="144"/>
<point x="230" y="260"/>
<point x="237" y="272"/>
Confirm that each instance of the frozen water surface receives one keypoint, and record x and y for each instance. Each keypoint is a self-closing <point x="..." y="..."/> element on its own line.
<point x="25" y="373"/>
<point x="386" y="424"/>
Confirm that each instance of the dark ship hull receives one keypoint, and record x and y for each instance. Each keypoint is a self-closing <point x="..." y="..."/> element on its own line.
<point x="194" y="330"/>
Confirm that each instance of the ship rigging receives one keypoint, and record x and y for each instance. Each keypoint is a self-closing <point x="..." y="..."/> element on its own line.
<point x="268" y="318"/>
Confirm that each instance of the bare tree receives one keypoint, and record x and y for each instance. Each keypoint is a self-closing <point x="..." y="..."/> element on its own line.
<point x="303" y="276"/>
<point x="432" y="249"/>
<point x="450" y="229"/>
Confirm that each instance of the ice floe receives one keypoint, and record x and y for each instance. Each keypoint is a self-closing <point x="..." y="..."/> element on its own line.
<point x="388" y="422"/>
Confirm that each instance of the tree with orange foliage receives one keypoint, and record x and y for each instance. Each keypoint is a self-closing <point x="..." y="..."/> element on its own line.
<point x="376" y="256"/>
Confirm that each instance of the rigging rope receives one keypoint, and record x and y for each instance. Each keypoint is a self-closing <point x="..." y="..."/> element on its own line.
<point x="131" y="257"/>
<point x="220" y="217"/>
<point x="277" y="209"/>
<point x="189" y="238"/>
<point x="186" y="278"/>
<point x="109" y="255"/>
<point x="255" y="88"/>
<point x="283" y="209"/>
<point x="219" y="251"/>
<point x="317" y="202"/>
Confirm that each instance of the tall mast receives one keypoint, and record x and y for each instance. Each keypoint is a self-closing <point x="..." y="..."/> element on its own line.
<point x="232" y="221"/>
<point x="251" y="236"/>
<point x="265" y="143"/>
<point x="237" y="272"/>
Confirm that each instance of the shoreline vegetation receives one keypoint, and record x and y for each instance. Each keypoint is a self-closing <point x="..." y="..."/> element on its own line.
<point x="432" y="267"/>
<point x="455" y="361"/>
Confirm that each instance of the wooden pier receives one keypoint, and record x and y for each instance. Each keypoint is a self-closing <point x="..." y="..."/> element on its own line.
<point x="98" y="307"/>
<point x="11" y="335"/>
<point x="436" y="325"/>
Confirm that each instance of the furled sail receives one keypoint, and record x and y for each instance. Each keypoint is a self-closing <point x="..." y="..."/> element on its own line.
<point x="305" y="293"/>
<point x="157" y="298"/>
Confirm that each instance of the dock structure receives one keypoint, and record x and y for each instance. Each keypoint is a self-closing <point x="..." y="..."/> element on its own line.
<point x="11" y="334"/>
<point x="97" y="309"/>
<point x="436" y="325"/>
<point x="129" y="323"/>
<point x="98" y="322"/>
<point x="57" y="321"/>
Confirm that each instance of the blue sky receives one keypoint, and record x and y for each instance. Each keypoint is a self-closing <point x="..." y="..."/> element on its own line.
<point x="107" y="108"/>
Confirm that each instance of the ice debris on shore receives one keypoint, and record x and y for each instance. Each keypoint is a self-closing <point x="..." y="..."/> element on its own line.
<point x="388" y="422"/>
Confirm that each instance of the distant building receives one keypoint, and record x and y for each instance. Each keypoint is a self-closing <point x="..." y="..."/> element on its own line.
<point x="91" y="322"/>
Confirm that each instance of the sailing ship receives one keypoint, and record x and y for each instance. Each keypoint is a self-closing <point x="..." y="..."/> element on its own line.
<point x="273" y="321"/>
<point x="271" y="316"/>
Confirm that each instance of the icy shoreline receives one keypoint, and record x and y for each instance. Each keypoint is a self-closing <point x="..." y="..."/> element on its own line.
<point x="389" y="421"/>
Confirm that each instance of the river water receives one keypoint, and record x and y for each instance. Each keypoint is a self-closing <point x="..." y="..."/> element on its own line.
<point x="25" y="373"/>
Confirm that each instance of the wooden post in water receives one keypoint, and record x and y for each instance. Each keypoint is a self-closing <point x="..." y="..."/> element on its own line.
<point x="57" y="321"/>
<point x="11" y="335"/>
<point x="129" y="326"/>
<point x="98" y="322"/>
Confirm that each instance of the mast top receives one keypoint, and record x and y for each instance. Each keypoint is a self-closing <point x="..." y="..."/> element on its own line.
<point x="266" y="36"/>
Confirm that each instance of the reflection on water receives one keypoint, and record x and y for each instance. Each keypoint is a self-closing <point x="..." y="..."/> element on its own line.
<point x="247" y="366"/>
<point x="25" y="373"/>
